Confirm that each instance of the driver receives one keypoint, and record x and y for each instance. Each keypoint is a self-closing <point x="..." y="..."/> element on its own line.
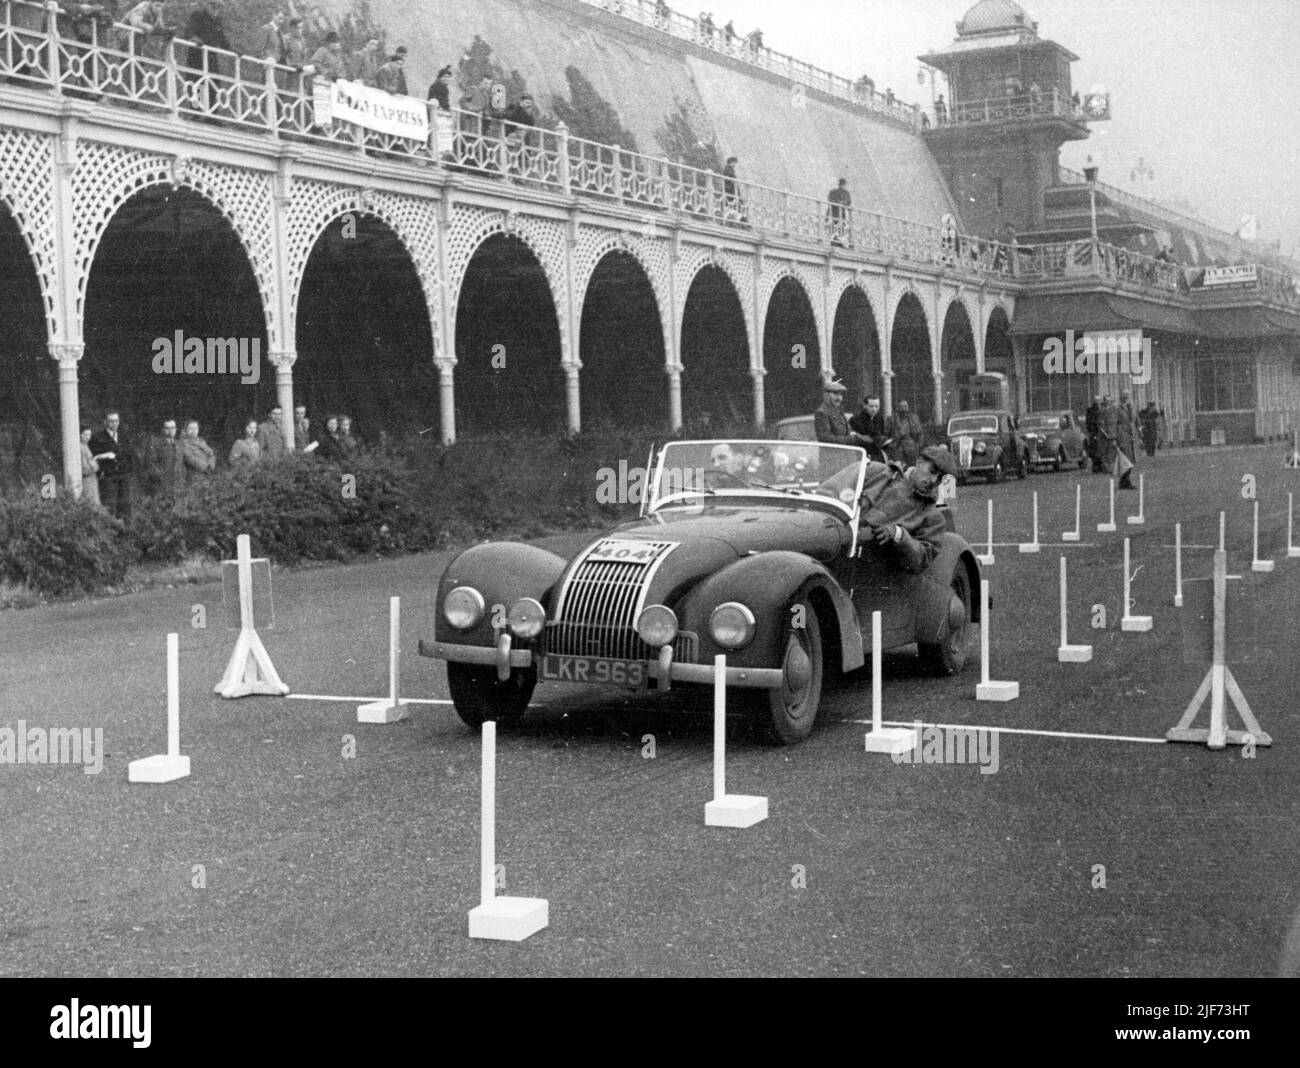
<point x="724" y="457"/>
<point x="899" y="510"/>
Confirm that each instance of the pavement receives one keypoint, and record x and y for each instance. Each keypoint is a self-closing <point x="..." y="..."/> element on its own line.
<point x="304" y="843"/>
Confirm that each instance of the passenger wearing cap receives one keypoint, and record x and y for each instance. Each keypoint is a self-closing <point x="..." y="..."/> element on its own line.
<point x="830" y="422"/>
<point x="899" y="512"/>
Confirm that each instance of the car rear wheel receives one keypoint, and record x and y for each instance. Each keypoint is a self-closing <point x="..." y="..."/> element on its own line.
<point x="479" y="695"/>
<point x="948" y="655"/>
<point x="792" y="708"/>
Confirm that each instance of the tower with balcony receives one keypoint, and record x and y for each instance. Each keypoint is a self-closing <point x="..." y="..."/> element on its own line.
<point x="1010" y="107"/>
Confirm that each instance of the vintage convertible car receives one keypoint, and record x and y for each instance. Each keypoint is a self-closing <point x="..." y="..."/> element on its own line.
<point x="987" y="444"/>
<point x="745" y="548"/>
<point x="1053" y="439"/>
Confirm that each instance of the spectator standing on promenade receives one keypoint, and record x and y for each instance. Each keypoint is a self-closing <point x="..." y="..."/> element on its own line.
<point x="440" y="89"/>
<point x="164" y="467"/>
<point x="151" y="30"/>
<point x="906" y="430"/>
<point x="392" y="77"/>
<point x="365" y="63"/>
<point x="519" y="115"/>
<point x="295" y="45"/>
<point x="1107" y="430"/>
<point x="755" y="41"/>
<point x="829" y="422"/>
<point x="838" y="215"/>
<point x="113" y="454"/>
<point x="269" y="45"/>
<point x="246" y="453"/>
<point x="731" y="208"/>
<point x="328" y="445"/>
<point x="199" y="459"/>
<point x="89" y="471"/>
<point x="327" y="61"/>
<point x="706" y="27"/>
<point x="270" y="436"/>
<point x="206" y="28"/>
<point x="940" y="110"/>
<point x="301" y="427"/>
<point x="889" y="97"/>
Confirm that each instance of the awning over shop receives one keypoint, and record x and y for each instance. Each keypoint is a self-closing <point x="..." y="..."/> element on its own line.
<point x="1248" y="322"/>
<point x="1053" y="313"/>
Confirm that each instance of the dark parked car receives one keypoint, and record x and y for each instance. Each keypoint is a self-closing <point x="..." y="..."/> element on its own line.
<point x="987" y="444"/>
<point x="746" y="548"/>
<point x="1054" y="439"/>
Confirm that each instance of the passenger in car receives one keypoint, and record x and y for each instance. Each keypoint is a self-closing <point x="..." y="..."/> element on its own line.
<point x="899" y="510"/>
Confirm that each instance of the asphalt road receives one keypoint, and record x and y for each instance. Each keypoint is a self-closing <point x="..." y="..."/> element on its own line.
<point x="314" y="862"/>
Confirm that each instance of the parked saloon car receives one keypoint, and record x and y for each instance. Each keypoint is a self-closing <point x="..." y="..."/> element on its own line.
<point x="746" y="548"/>
<point x="1053" y="439"/>
<point x="987" y="444"/>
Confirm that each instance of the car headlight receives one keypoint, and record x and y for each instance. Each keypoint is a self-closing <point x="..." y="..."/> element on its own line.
<point x="526" y="618"/>
<point x="732" y="625"/>
<point x="980" y="448"/>
<point x="657" y="625"/>
<point x="464" y="607"/>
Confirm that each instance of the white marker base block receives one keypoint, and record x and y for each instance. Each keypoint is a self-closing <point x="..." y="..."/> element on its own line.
<point x="1136" y="520"/>
<point x="382" y="711"/>
<point x="509" y="919"/>
<point x="1293" y="551"/>
<point x="890" y="740"/>
<point x="1230" y="737"/>
<point x="1261" y="565"/>
<point x="985" y="559"/>
<point x="997" y="691"/>
<point x="1136" y="623"/>
<point x="1073" y="654"/>
<point x="735" y="810"/>
<point x="160" y="768"/>
<point x="1106" y="528"/>
<point x="1070" y="535"/>
<point x="1030" y="547"/>
<point x="1178" y="600"/>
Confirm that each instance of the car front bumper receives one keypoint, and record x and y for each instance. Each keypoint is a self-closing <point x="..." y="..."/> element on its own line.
<point x="504" y="658"/>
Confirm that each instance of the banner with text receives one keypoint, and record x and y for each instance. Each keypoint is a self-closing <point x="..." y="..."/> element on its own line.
<point x="401" y="116"/>
<point x="1238" y="274"/>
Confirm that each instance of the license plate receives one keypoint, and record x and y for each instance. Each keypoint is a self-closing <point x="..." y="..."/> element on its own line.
<point x="616" y="550"/>
<point x="629" y="673"/>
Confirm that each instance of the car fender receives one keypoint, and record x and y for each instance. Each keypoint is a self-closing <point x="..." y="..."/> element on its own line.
<point x="933" y="607"/>
<point x="502" y="571"/>
<point x="766" y="583"/>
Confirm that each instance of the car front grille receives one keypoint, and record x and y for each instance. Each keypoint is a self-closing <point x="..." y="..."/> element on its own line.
<point x="597" y="610"/>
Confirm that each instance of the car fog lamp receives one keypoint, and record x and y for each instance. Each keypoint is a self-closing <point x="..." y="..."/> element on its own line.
<point x="980" y="447"/>
<point x="732" y="625"/>
<point x="657" y="625"/>
<point x="463" y="607"/>
<point x="526" y="618"/>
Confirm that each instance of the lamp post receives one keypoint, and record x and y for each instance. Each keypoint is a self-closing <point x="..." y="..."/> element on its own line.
<point x="1090" y="175"/>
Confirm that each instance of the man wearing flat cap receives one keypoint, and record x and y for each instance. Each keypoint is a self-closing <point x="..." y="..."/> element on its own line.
<point x="899" y="512"/>
<point x="830" y="422"/>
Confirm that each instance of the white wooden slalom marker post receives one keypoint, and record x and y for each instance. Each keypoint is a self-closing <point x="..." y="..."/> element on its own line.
<point x="1067" y="653"/>
<point x="990" y="689"/>
<point x="1218" y="683"/>
<point x="987" y="558"/>
<point x="249" y="669"/>
<point x="1127" y="621"/>
<point x="394" y="708"/>
<point x="1141" y="517"/>
<point x="506" y="919"/>
<point x="1293" y="457"/>
<point x="165" y="767"/>
<point x="881" y="739"/>
<point x="1223" y="532"/>
<point x="1109" y="528"/>
<point x="1292" y="549"/>
<point x="1256" y="564"/>
<point x="727" y="810"/>
<point x="1032" y="546"/>
<point x="1178" y="565"/>
<point x="1073" y="535"/>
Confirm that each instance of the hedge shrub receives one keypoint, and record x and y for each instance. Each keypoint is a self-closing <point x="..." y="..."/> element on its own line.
<point x="61" y="546"/>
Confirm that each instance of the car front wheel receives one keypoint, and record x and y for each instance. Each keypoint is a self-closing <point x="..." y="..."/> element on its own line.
<point x="792" y="708"/>
<point x="479" y="695"/>
<point x="948" y="655"/>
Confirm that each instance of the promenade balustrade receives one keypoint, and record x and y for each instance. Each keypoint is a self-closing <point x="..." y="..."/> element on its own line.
<point x="166" y="74"/>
